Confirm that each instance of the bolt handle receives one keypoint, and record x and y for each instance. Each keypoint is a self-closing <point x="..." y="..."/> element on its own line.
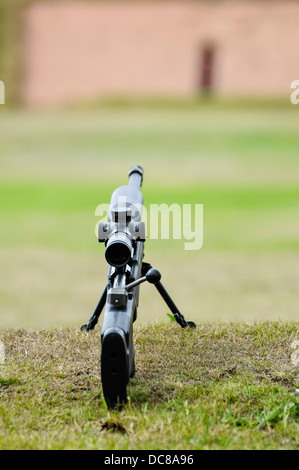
<point x="153" y="276"/>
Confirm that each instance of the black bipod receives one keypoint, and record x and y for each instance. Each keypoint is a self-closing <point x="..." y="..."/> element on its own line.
<point x="96" y="314"/>
<point x="153" y="276"/>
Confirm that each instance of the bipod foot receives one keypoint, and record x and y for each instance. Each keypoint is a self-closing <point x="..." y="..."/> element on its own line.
<point x="95" y="316"/>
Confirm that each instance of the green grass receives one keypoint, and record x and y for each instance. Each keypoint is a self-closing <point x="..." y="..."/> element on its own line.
<point x="241" y="163"/>
<point x="257" y="146"/>
<point x="224" y="386"/>
<point x="62" y="215"/>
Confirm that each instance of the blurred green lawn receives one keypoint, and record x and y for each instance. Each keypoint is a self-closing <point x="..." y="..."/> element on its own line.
<point x="242" y="164"/>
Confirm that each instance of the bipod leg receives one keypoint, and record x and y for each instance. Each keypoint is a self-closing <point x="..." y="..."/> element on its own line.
<point x="179" y="317"/>
<point x="96" y="314"/>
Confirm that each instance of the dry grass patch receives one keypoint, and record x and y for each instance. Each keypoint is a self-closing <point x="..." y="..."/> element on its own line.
<point x="221" y="386"/>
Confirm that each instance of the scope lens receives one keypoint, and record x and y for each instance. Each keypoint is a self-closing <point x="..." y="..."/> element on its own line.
<point x="118" y="250"/>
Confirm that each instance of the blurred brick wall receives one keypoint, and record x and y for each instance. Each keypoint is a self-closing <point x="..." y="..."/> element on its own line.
<point x="79" y="50"/>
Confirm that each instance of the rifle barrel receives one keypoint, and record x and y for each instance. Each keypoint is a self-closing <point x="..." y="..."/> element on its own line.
<point x="136" y="176"/>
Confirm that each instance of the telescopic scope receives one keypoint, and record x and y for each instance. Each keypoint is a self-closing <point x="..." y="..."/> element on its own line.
<point x="125" y="207"/>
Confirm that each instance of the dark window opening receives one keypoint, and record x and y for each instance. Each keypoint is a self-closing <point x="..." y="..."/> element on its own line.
<point x="207" y="66"/>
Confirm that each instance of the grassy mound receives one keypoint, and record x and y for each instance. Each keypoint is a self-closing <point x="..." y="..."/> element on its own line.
<point x="222" y="386"/>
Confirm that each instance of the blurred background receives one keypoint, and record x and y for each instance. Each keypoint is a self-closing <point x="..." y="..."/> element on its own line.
<point x="198" y="93"/>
